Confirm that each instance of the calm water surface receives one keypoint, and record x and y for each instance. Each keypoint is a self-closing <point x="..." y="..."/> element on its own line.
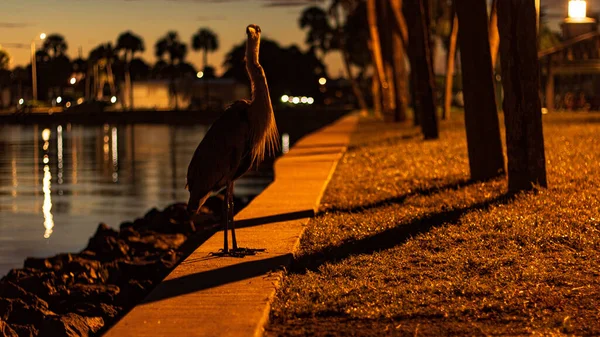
<point x="57" y="183"/>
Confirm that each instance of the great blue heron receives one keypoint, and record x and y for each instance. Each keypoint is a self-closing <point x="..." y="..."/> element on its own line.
<point x="234" y="143"/>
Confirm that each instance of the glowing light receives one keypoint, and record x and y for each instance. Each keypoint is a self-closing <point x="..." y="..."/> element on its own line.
<point x="80" y="100"/>
<point x="47" y="206"/>
<point x="113" y="99"/>
<point x="285" y="143"/>
<point x="21" y="101"/>
<point x="43" y="36"/>
<point x="115" y="155"/>
<point x="285" y="98"/>
<point x="310" y="100"/>
<point x="73" y="80"/>
<point x="296" y="100"/>
<point x="46" y="135"/>
<point x="322" y="81"/>
<point x="200" y="74"/>
<point x="58" y="99"/>
<point x="59" y="151"/>
<point x="304" y="99"/>
<point x="68" y="104"/>
<point x="46" y="160"/>
<point x="577" y="9"/>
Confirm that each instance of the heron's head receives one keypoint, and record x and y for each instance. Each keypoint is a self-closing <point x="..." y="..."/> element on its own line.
<point x="253" y="32"/>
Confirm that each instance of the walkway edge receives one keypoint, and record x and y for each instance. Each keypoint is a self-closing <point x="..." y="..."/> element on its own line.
<point x="225" y="296"/>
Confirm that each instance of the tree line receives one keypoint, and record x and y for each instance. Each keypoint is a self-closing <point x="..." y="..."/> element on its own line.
<point x="393" y="33"/>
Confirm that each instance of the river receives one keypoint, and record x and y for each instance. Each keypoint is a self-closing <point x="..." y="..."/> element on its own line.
<point x="58" y="182"/>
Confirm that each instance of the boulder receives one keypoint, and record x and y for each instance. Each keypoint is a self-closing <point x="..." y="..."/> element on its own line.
<point x="42" y="283"/>
<point x="11" y="290"/>
<point x="25" y="330"/>
<point x="98" y="293"/>
<point x="15" y="311"/>
<point x="70" y="325"/>
<point x="6" y="330"/>
<point x="106" y="244"/>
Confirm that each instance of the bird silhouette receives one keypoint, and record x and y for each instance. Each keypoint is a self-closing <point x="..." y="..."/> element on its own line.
<point x="237" y="141"/>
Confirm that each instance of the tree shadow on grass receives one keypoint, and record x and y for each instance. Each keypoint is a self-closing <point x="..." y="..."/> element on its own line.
<point x="427" y="191"/>
<point x="381" y="241"/>
<point x="391" y="237"/>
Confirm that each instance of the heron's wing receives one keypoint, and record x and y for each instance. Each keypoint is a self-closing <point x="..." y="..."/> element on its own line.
<point x="219" y="154"/>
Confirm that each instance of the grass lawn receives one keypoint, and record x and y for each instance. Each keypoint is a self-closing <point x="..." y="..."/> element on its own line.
<point x="405" y="244"/>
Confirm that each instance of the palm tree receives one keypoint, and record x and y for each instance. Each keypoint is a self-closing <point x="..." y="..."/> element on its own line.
<point x="207" y="41"/>
<point x="55" y="45"/>
<point x="102" y="57"/>
<point x="170" y="44"/>
<point x="129" y="44"/>
<point x="347" y="6"/>
<point x="4" y="59"/>
<point x="319" y="33"/>
<point x="4" y="72"/>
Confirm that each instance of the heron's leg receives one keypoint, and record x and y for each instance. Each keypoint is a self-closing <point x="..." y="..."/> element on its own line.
<point x="230" y="217"/>
<point x="225" y="220"/>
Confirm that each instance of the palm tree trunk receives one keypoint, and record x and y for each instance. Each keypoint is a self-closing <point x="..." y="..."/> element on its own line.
<point x="493" y="33"/>
<point x="399" y="77"/>
<point x="127" y="95"/>
<point x="450" y="69"/>
<point x="204" y="77"/>
<point x="362" y="105"/>
<point x="484" y="146"/>
<point x="400" y="21"/>
<point x="522" y="107"/>
<point x="130" y="82"/>
<point x="422" y="68"/>
<point x="377" y="55"/>
<point x="375" y="88"/>
<point x="173" y="86"/>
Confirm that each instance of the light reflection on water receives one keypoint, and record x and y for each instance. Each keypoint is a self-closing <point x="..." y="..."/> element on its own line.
<point x="57" y="183"/>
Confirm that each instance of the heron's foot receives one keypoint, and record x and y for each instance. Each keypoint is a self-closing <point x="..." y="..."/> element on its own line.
<point x="239" y="252"/>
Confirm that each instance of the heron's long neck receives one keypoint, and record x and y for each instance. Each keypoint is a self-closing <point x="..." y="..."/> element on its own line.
<point x="258" y="80"/>
<point x="265" y="137"/>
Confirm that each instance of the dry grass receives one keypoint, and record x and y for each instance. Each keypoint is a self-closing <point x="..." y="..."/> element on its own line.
<point x="406" y="245"/>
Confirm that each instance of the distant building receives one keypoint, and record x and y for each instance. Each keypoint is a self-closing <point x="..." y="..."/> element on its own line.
<point x="188" y="93"/>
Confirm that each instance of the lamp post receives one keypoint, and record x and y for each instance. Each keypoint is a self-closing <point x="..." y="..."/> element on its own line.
<point x="577" y="22"/>
<point x="33" y="67"/>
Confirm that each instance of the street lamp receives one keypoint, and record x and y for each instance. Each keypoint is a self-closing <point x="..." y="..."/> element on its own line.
<point x="33" y="66"/>
<point x="577" y="9"/>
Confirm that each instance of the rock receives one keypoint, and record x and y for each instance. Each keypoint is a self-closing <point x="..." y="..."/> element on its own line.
<point x="98" y="293"/>
<point x="70" y="325"/>
<point x="126" y="224"/>
<point x="11" y="290"/>
<point x="155" y="241"/>
<point x="86" y="270"/>
<point x="37" y="263"/>
<point x="6" y="330"/>
<point x="139" y="224"/>
<point x="43" y="284"/>
<point x="25" y="330"/>
<point x="103" y="310"/>
<point x="132" y="292"/>
<point x="128" y="232"/>
<point x="15" y="311"/>
<point x="107" y="245"/>
<point x="157" y="221"/>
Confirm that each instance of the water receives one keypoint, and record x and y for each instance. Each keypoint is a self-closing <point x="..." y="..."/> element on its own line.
<point x="57" y="183"/>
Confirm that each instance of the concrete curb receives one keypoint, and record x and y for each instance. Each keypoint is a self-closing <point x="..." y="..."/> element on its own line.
<point x="227" y="296"/>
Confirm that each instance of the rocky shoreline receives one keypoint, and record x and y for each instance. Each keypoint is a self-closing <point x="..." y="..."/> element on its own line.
<point x="83" y="294"/>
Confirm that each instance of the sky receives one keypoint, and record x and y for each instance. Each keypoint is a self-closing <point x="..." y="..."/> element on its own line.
<point x="87" y="23"/>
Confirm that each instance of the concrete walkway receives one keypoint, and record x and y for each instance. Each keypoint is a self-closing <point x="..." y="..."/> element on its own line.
<point x="227" y="296"/>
